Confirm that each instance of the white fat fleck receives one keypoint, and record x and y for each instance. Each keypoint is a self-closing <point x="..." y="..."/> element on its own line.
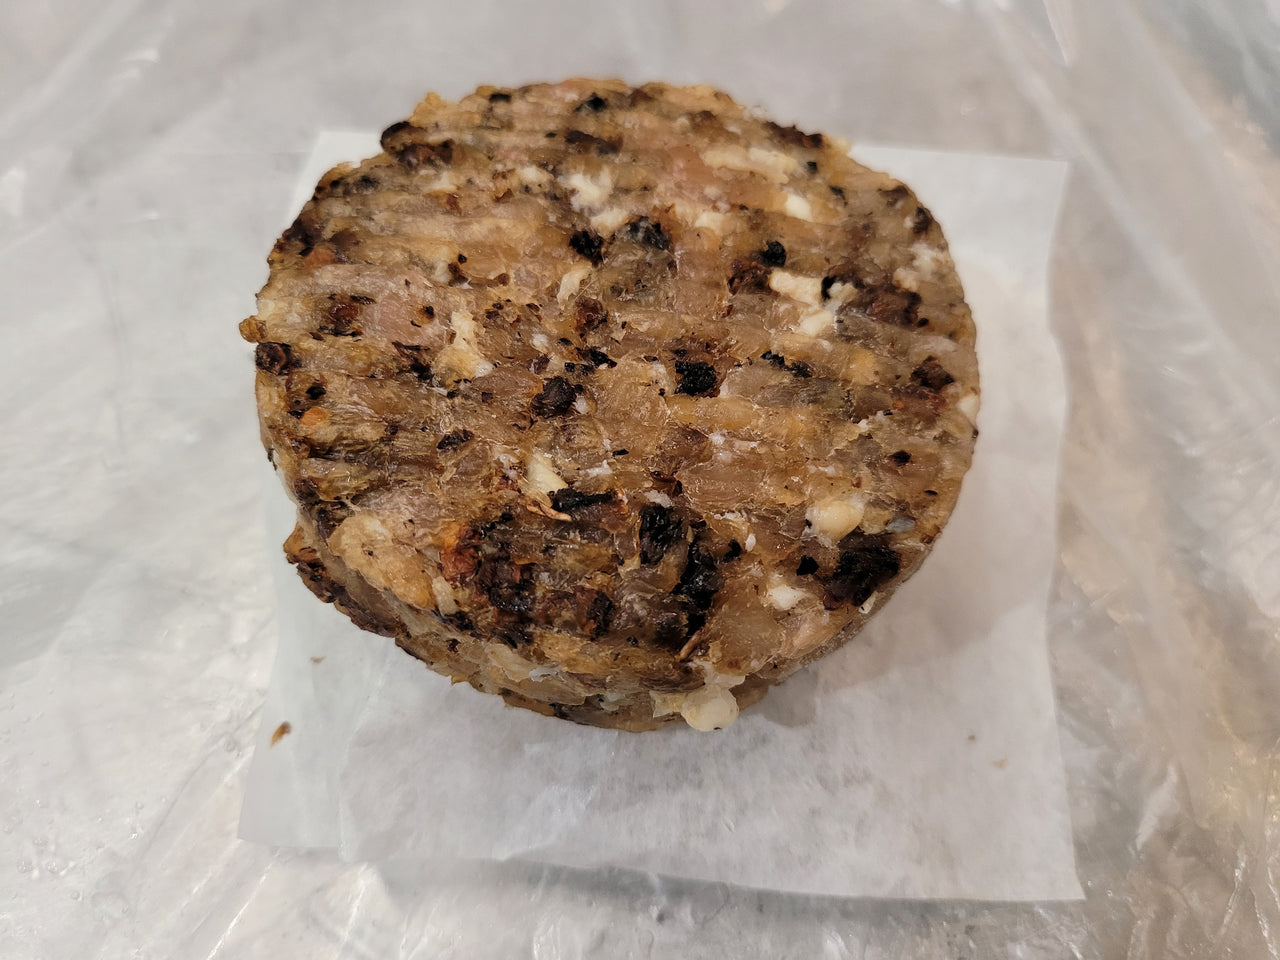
<point x="604" y="470"/>
<point x="610" y="702"/>
<point x="782" y="596"/>
<point x="445" y="601"/>
<point x="511" y="664"/>
<point x="805" y="289"/>
<point x="839" y="292"/>
<point x="969" y="405"/>
<point x="357" y="541"/>
<point x="816" y="323"/>
<point x="665" y="704"/>
<point x="538" y="674"/>
<point x="542" y="475"/>
<point x="462" y="357"/>
<point x="464" y="324"/>
<point x="441" y="273"/>
<point x="710" y="220"/>
<point x="869" y="605"/>
<point x="726" y="156"/>
<point x="939" y="346"/>
<point x="658" y="497"/>
<point x="769" y="163"/>
<point x="709" y="708"/>
<point x="714" y="678"/>
<point x="540" y="341"/>
<point x="609" y="220"/>
<point x="588" y="191"/>
<point x="781" y="163"/>
<point x="662" y="376"/>
<point x="925" y="263"/>
<point x="907" y="278"/>
<point x="718" y="438"/>
<point x="834" y="517"/>
<point x="445" y="183"/>
<point x="873" y="524"/>
<point x="685" y="211"/>
<point x="928" y="259"/>
<point x="798" y="207"/>
<point x="580" y="404"/>
<point x="533" y="176"/>
<point x="750" y="543"/>
<point x="571" y="281"/>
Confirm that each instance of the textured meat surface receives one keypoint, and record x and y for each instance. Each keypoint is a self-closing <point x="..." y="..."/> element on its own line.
<point x="621" y="403"/>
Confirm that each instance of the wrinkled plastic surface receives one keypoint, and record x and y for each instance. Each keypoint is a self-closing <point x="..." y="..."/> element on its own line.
<point x="146" y="151"/>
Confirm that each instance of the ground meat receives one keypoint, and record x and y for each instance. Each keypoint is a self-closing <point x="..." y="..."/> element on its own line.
<point x="589" y="394"/>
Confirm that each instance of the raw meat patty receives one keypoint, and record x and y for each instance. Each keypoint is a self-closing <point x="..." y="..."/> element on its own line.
<point x="622" y="404"/>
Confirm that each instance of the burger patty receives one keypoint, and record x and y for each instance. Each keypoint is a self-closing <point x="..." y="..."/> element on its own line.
<point x="622" y="403"/>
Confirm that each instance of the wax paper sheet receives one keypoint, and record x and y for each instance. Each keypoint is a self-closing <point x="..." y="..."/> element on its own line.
<point x="147" y="152"/>
<point x="920" y="761"/>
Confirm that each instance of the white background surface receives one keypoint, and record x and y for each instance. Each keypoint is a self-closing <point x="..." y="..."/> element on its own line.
<point x="147" y="152"/>
<point x="920" y="761"/>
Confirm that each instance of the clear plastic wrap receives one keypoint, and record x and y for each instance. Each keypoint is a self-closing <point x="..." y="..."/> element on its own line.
<point x="146" y="155"/>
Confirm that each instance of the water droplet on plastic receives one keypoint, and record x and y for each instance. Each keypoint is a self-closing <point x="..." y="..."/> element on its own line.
<point x="57" y="866"/>
<point x="110" y="904"/>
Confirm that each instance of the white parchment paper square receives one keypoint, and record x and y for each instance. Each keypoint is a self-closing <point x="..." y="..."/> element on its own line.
<point x="920" y="761"/>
